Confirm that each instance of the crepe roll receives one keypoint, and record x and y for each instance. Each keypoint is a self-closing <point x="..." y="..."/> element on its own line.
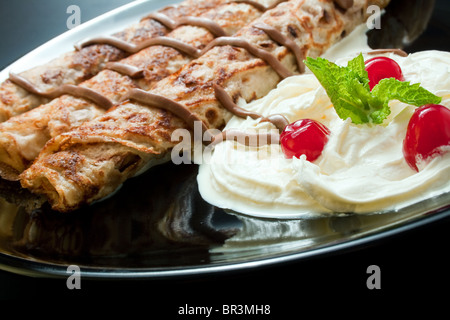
<point x="90" y="162"/>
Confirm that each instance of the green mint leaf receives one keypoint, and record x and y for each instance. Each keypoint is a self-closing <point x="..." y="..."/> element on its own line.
<point x="413" y="94"/>
<point x="349" y="91"/>
<point x="358" y="66"/>
<point x="337" y="82"/>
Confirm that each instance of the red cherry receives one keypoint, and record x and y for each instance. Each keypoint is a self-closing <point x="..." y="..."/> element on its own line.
<point x="428" y="130"/>
<point x="380" y="68"/>
<point x="306" y="137"/>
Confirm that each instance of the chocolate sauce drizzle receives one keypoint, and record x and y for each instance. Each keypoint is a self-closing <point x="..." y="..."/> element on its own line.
<point x="259" y="6"/>
<point x="344" y="4"/>
<point x="398" y="52"/>
<point x="133" y="48"/>
<point x="161" y="18"/>
<point x="278" y="120"/>
<point x="281" y="70"/>
<point x="250" y="139"/>
<point x="281" y="39"/>
<point x="126" y="69"/>
<point x="161" y="102"/>
<point x="77" y="91"/>
<point x="206" y="23"/>
<point x="226" y="101"/>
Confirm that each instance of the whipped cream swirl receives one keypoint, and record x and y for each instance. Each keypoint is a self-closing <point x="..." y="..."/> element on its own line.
<point x="361" y="169"/>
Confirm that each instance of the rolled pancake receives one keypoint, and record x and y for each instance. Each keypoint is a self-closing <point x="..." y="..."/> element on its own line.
<point x="90" y="162"/>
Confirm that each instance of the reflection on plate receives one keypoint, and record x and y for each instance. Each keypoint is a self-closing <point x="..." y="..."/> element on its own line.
<point x="166" y="229"/>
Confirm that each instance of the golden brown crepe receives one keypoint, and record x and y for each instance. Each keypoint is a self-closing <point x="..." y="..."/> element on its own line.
<point x="79" y="65"/>
<point x="91" y="161"/>
<point x="22" y="137"/>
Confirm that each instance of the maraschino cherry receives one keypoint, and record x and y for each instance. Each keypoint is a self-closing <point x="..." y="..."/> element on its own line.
<point x="304" y="136"/>
<point x="379" y="68"/>
<point x="428" y="131"/>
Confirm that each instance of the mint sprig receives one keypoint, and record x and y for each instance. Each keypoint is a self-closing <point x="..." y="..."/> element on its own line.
<point x="349" y="91"/>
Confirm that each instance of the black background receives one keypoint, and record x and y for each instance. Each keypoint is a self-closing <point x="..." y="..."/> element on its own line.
<point x="414" y="263"/>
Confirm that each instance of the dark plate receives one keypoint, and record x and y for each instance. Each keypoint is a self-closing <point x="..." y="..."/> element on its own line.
<point x="158" y="226"/>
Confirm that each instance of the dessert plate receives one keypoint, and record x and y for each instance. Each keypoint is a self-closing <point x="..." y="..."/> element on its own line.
<point x="164" y="229"/>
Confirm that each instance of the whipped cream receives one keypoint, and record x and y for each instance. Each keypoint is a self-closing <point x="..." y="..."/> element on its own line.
<point x="361" y="170"/>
